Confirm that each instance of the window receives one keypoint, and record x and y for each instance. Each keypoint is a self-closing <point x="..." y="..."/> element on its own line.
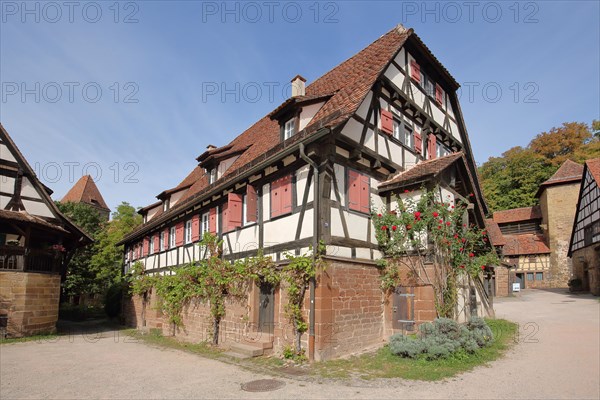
<point x="205" y="225"/>
<point x="428" y="85"/>
<point x="359" y="198"/>
<point x="151" y="245"/>
<point x="530" y="276"/>
<point x="408" y="136"/>
<point x="398" y="131"/>
<point x="212" y="176"/>
<point x="289" y="129"/>
<point x="172" y="240"/>
<point x="232" y="212"/>
<point x="539" y="276"/>
<point x="442" y="150"/>
<point x="188" y="231"/>
<point x="166" y="204"/>
<point x="591" y="233"/>
<point x="161" y="241"/>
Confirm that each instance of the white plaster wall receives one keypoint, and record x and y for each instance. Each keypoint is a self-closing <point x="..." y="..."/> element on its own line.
<point x="308" y="114"/>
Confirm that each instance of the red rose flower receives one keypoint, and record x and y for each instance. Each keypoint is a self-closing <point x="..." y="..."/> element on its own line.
<point x="462" y="266"/>
<point x="379" y="215"/>
<point x="483" y="267"/>
<point x="383" y="228"/>
<point x="441" y="221"/>
<point x="464" y="240"/>
<point x="471" y="195"/>
<point x="484" y="233"/>
<point x="461" y="249"/>
<point x="408" y="227"/>
<point x="485" y="239"/>
<point x="394" y="227"/>
<point x="439" y="227"/>
<point x="471" y="255"/>
<point x="456" y="236"/>
<point x="448" y="223"/>
<point x="435" y="214"/>
<point x="405" y="190"/>
<point x="417" y="214"/>
<point x="452" y="207"/>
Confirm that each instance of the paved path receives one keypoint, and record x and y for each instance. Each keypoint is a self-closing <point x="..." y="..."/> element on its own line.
<point x="558" y="356"/>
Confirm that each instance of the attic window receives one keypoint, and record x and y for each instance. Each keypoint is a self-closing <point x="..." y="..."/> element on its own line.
<point x="212" y="176"/>
<point x="166" y="205"/>
<point x="289" y="129"/>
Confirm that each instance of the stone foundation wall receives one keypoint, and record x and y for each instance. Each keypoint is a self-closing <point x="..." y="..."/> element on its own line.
<point x="31" y="302"/>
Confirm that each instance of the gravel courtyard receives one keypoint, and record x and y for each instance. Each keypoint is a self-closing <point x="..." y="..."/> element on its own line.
<point x="558" y="356"/>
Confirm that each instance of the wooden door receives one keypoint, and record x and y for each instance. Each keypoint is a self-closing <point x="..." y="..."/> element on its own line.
<point x="266" y="308"/>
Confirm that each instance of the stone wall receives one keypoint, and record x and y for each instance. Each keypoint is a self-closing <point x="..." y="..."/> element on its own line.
<point x="559" y="205"/>
<point x="586" y="266"/>
<point x="31" y="302"/>
<point x="504" y="278"/>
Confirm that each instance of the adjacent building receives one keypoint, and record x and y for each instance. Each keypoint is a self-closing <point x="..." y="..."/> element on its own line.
<point x="35" y="243"/>
<point x="584" y="247"/>
<point x="536" y="239"/>
<point x="384" y="122"/>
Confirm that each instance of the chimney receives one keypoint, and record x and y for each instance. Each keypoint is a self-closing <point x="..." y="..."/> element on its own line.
<point x="298" y="87"/>
<point x="211" y="147"/>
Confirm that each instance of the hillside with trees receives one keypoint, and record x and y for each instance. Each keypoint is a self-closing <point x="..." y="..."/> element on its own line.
<point x="511" y="180"/>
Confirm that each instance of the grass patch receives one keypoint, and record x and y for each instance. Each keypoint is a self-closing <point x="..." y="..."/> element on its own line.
<point x="384" y="364"/>
<point x="35" y="338"/>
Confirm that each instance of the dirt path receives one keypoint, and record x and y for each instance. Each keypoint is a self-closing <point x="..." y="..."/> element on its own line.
<point x="558" y="356"/>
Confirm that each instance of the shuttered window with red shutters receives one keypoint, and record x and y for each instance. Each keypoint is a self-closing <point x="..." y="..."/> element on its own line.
<point x="232" y="212"/>
<point x="165" y="234"/>
<point x="387" y="122"/>
<point x="156" y="245"/>
<point x="359" y="198"/>
<point x="432" y="147"/>
<point x="251" y="204"/>
<point x="418" y="143"/>
<point x="146" y="246"/>
<point x="212" y="221"/>
<point x="130" y="254"/>
<point x="196" y="228"/>
<point x="439" y="95"/>
<point x="415" y="71"/>
<point x="179" y="234"/>
<point x="281" y="196"/>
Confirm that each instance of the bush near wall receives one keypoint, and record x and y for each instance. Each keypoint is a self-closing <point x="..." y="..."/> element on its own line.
<point x="442" y="338"/>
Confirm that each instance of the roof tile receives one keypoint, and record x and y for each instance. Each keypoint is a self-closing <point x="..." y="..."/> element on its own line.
<point x="517" y="215"/>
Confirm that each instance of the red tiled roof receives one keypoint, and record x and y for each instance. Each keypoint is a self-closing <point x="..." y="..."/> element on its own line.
<point x="24" y="216"/>
<point x="343" y="89"/>
<point x="524" y="245"/>
<point x="422" y="170"/>
<point x="85" y="191"/>
<point x="593" y="166"/>
<point x="517" y="214"/>
<point x="494" y="233"/>
<point x="569" y="172"/>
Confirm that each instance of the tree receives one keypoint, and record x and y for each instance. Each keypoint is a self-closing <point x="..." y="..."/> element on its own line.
<point x="512" y="180"/>
<point x="107" y="255"/>
<point x="80" y="277"/>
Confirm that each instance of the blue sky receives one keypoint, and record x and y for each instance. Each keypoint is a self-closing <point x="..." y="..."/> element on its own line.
<point x="132" y="93"/>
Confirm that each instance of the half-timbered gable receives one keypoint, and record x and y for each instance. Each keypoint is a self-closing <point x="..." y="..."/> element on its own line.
<point x="314" y="168"/>
<point x="585" y="240"/>
<point x="35" y="239"/>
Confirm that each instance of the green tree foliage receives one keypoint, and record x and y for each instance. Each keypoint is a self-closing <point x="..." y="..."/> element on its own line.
<point x="105" y="262"/>
<point x="512" y="180"/>
<point x="80" y="276"/>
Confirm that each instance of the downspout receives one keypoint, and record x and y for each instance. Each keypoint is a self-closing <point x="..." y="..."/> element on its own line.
<point x="311" y="315"/>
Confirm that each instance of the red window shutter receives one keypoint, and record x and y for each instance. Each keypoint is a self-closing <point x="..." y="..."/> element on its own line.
<point x="354" y="183"/>
<point x="212" y="221"/>
<point x="275" y="198"/>
<point x="438" y="94"/>
<point x="130" y="254"/>
<point x="251" y="204"/>
<point x="432" y="146"/>
<point x="387" y="122"/>
<point x="195" y="228"/>
<point x="166" y="238"/>
<point x="146" y="245"/>
<point x="286" y="195"/>
<point x="415" y="71"/>
<point x="233" y="218"/>
<point x="156" y="244"/>
<point x="179" y="234"/>
<point x="418" y="142"/>
<point x="365" y="195"/>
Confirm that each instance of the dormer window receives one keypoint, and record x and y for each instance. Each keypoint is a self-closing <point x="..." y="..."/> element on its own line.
<point x="166" y="205"/>
<point x="212" y="176"/>
<point x="289" y="129"/>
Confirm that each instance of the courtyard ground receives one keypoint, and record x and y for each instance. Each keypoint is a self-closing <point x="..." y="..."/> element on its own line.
<point x="557" y="355"/>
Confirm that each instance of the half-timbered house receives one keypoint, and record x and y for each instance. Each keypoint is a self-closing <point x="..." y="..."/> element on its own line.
<point x="585" y="240"/>
<point x="35" y="240"/>
<point x="382" y="122"/>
